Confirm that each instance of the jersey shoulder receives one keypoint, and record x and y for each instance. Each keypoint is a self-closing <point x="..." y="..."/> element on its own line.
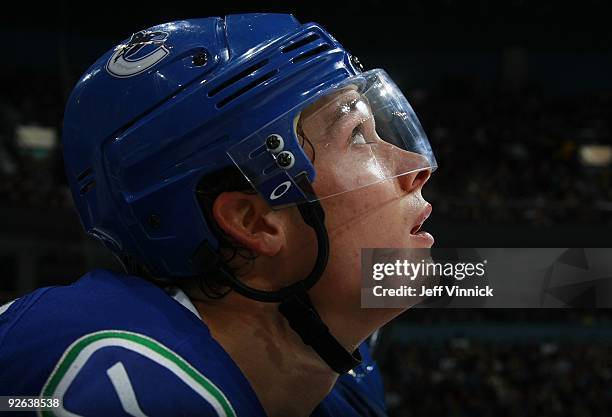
<point x="112" y="344"/>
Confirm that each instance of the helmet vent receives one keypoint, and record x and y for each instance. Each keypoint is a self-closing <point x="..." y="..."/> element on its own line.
<point x="249" y="86"/>
<point x="311" y="53"/>
<point x="305" y="41"/>
<point x="225" y="84"/>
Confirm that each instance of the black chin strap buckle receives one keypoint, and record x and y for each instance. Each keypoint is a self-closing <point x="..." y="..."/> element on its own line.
<point x="305" y="321"/>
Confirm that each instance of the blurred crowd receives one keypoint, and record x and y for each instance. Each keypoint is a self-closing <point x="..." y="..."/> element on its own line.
<point x="505" y="156"/>
<point x="29" y="178"/>
<point x="514" y="156"/>
<point x="556" y="364"/>
<point x="471" y="378"/>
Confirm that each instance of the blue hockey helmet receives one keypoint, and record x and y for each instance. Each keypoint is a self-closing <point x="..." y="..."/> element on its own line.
<point x="178" y="101"/>
<point x="182" y="100"/>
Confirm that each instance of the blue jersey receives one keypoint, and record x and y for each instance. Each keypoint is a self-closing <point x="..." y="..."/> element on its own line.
<point x="117" y="345"/>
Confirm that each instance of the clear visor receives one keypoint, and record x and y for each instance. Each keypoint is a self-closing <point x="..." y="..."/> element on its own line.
<point x="360" y="133"/>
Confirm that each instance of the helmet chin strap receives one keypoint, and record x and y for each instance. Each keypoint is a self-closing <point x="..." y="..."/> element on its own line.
<point x="301" y="313"/>
<point x="295" y="304"/>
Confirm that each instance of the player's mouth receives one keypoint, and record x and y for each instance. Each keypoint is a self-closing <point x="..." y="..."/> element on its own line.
<point x="425" y="239"/>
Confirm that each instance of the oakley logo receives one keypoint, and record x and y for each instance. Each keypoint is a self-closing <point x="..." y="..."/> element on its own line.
<point x="281" y="189"/>
<point x="143" y="50"/>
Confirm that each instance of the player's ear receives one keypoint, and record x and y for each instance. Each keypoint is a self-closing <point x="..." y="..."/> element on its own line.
<point x="251" y="221"/>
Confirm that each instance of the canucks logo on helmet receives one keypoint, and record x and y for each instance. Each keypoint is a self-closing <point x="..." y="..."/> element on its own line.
<point x="143" y="50"/>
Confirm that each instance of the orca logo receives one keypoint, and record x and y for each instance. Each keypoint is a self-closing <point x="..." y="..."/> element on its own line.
<point x="143" y="50"/>
<point x="281" y="189"/>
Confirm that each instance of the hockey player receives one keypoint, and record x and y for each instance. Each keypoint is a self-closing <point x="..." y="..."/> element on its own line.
<point x="236" y="166"/>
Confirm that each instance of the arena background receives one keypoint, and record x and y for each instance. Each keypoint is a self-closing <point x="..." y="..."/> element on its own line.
<point x="516" y="98"/>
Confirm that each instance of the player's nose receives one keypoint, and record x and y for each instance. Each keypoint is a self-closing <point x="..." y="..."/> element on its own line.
<point x="411" y="169"/>
<point x="413" y="181"/>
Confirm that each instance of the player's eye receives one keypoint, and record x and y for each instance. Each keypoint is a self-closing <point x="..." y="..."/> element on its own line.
<point x="357" y="137"/>
<point x="362" y="134"/>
